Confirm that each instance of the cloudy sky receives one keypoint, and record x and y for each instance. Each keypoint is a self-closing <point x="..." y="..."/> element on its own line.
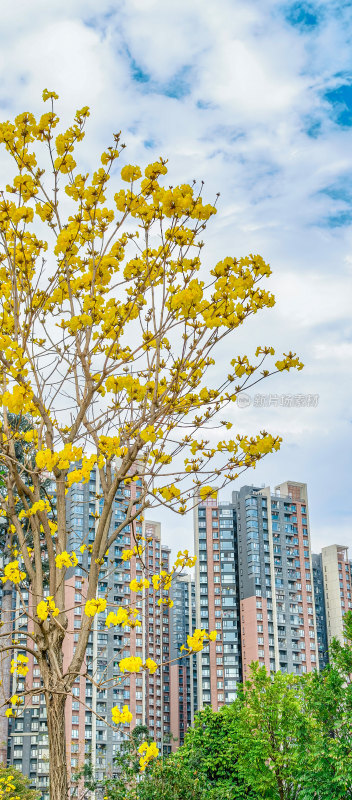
<point x="255" y="98"/>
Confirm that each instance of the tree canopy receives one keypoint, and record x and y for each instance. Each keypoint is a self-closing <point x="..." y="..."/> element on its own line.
<point x="110" y="325"/>
<point x="285" y="737"/>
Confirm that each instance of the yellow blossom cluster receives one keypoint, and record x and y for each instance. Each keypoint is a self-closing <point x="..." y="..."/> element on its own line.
<point x="123" y="616"/>
<point x="288" y="362"/>
<point x="168" y="493"/>
<point x="88" y="547"/>
<point x="149" y="434"/>
<point x="184" y="560"/>
<point x="207" y="492"/>
<point x="7" y="786"/>
<point x="19" y="665"/>
<point x="243" y="451"/>
<point x="109" y="446"/>
<point x="163" y="580"/>
<point x="13" y="573"/>
<point x="151" y="665"/>
<point x="127" y="554"/>
<point x="196" y="641"/>
<point x="135" y="664"/>
<point x="16" y="701"/>
<point x="19" y="401"/>
<point x="131" y="664"/>
<point x="94" y="606"/>
<point x="147" y="752"/>
<point x="66" y="559"/>
<point x="48" y="459"/>
<point x="166" y="601"/>
<point x="121" y="717"/>
<point x="138" y="586"/>
<point x="82" y="474"/>
<point x="39" y="505"/>
<point x="46" y="607"/>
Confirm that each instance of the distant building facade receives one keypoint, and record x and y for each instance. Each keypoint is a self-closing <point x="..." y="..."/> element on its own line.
<point x="183" y="671"/>
<point x="254" y="586"/>
<point x="320" y="610"/>
<point x="217" y="602"/>
<point x="278" y="626"/>
<point x="337" y="576"/>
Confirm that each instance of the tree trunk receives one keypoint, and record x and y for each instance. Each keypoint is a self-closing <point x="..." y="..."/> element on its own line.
<point x="58" y="782"/>
<point x="281" y="789"/>
<point x="5" y="676"/>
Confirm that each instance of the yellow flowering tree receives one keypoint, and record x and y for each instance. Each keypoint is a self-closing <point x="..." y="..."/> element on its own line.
<point x="15" y="786"/>
<point x="110" y="330"/>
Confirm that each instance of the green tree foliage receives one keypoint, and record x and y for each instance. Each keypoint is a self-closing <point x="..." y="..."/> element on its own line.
<point x="286" y="737"/>
<point x="211" y="752"/>
<point x="273" y="733"/>
<point x="126" y="764"/>
<point x="329" y="701"/>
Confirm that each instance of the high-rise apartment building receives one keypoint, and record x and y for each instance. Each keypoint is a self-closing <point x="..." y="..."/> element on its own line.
<point x="254" y="585"/>
<point x="156" y="637"/>
<point x="183" y="671"/>
<point x="7" y="605"/>
<point x="275" y="578"/>
<point x="217" y="602"/>
<point x="320" y="610"/>
<point x="100" y="685"/>
<point x="337" y="576"/>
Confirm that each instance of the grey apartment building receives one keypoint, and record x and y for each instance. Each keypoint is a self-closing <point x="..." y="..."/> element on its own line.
<point x="183" y="671"/>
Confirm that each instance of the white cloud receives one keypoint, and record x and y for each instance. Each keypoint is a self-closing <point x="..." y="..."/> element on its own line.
<point x="250" y="85"/>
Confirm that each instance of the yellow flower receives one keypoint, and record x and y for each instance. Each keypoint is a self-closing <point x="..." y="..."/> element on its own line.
<point x="207" y="491"/>
<point x="42" y="610"/>
<point x="123" y="616"/>
<point x="171" y="492"/>
<point x="195" y="642"/>
<point x="148" y="435"/>
<point x="156" y="579"/>
<point x="16" y="700"/>
<point x="290" y="360"/>
<point x="46" y="607"/>
<point x="130" y="173"/>
<point x="147" y="752"/>
<point x="65" y="559"/>
<point x="95" y="606"/>
<point x="138" y="586"/>
<point x="131" y="664"/>
<point x="111" y="619"/>
<point x="49" y="95"/>
<point x="127" y="554"/>
<point x="151" y="665"/>
<point x="18" y="665"/>
<point x="185" y="560"/>
<point x="120" y="717"/>
<point x="13" y="573"/>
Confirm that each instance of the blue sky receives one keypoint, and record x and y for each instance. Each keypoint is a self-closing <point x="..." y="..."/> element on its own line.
<point x="256" y="99"/>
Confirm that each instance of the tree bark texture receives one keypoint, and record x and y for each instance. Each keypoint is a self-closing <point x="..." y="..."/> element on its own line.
<point x="5" y="661"/>
<point x="58" y="782"/>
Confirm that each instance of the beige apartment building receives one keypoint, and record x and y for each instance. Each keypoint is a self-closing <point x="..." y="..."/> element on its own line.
<point x="337" y="577"/>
